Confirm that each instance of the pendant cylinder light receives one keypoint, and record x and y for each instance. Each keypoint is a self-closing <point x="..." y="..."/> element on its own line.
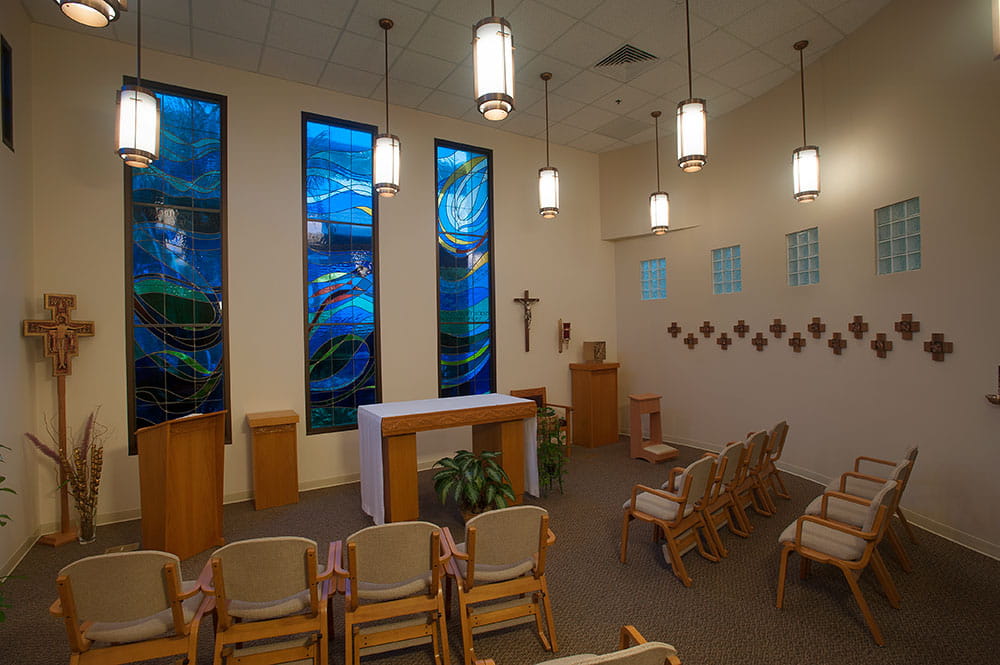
<point x="548" y="177"/>
<point x="692" y="120"/>
<point x="385" y="160"/>
<point x="805" y="159"/>
<point x="493" y="65"/>
<point x="92" y="13"/>
<point x="659" y="201"/>
<point x="138" y="126"/>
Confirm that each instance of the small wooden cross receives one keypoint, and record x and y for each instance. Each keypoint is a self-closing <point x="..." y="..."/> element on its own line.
<point x="817" y="327"/>
<point x="797" y="341"/>
<point x="526" y="302"/>
<point x="741" y="328"/>
<point x="724" y="341"/>
<point x="60" y="333"/>
<point x="674" y="329"/>
<point x="906" y="326"/>
<point x="937" y="347"/>
<point x="777" y="328"/>
<point x="690" y="340"/>
<point x="858" y="327"/>
<point x="759" y="341"/>
<point x="707" y="329"/>
<point x="837" y="343"/>
<point x="880" y="345"/>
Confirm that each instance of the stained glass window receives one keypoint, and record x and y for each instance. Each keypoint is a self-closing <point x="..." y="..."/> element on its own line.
<point x="464" y="177"/>
<point x="342" y="367"/>
<point x="176" y="259"/>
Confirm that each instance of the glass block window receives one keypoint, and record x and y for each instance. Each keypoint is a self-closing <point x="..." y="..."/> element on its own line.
<point x="175" y="263"/>
<point x="897" y="234"/>
<point x="727" y="271"/>
<point x="654" y="279"/>
<point x="464" y="177"/>
<point x="803" y="257"/>
<point x="340" y="226"/>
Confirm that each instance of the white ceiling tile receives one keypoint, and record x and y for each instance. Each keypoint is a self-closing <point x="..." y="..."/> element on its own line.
<point x="593" y="143"/>
<point x="562" y="134"/>
<point x="225" y="50"/>
<point x="726" y="102"/>
<point x="402" y="93"/>
<point x="349" y="80"/>
<point x="528" y="73"/>
<point x="425" y="5"/>
<point x="583" y="44"/>
<point x="770" y="20"/>
<point x="177" y="11"/>
<point x="743" y="70"/>
<point x="854" y="13"/>
<point x="670" y="37"/>
<point x="665" y="76"/>
<point x="166" y="36"/>
<point x="704" y="87"/>
<point x="468" y="12"/>
<point x="525" y="124"/>
<point x="715" y="50"/>
<point x="664" y="103"/>
<point x="299" y="35"/>
<point x="820" y="33"/>
<point x="823" y="6"/>
<point x="446" y="104"/>
<point x="763" y="84"/>
<point x="424" y="70"/>
<point x="590" y="118"/>
<point x="647" y="135"/>
<point x="559" y="108"/>
<point x="459" y="82"/>
<point x="321" y="11"/>
<point x="536" y="25"/>
<point x="622" y="128"/>
<point x="235" y="18"/>
<point x="525" y="96"/>
<point x="407" y="20"/>
<point x="443" y="39"/>
<point x="291" y="66"/>
<point x="575" y="8"/>
<point x="627" y="19"/>
<point x="723" y="12"/>
<point x="362" y="53"/>
<point x="623" y="99"/>
<point x="587" y="86"/>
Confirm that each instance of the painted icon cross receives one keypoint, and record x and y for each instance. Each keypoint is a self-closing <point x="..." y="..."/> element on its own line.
<point x="60" y="333"/>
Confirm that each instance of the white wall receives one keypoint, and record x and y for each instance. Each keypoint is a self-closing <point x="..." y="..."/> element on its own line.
<point x="17" y="396"/>
<point x="563" y="262"/>
<point x="906" y="106"/>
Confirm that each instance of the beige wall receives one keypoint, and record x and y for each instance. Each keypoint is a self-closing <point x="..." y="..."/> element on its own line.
<point x="17" y="397"/>
<point x="563" y="261"/>
<point x="907" y="106"/>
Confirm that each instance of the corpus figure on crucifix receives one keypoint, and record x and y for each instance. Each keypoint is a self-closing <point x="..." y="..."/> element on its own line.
<point x="526" y="302"/>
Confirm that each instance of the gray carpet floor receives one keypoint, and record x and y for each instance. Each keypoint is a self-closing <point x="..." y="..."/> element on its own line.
<point x="949" y="613"/>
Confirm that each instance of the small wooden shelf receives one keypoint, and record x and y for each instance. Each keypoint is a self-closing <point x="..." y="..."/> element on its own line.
<point x="275" y="458"/>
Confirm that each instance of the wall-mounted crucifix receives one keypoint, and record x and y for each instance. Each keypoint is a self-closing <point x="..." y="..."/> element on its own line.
<point x="527" y="302"/>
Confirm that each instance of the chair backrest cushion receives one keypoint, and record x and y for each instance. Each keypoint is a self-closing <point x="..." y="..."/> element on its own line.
<point x="389" y="554"/>
<point x="647" y="653"/>
<point x="756" y="447"/>
<point x="265" y="569"/>
<point x="778" y="433"/>
<point x="506" y="536"/>
<point x="732" y="454"/>
<point x="883" y="498"/>
<point x="116" y="588"/>
<point x="700" y="473"/>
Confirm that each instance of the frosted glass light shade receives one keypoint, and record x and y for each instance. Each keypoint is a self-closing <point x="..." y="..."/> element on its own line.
<point x="692" y="135"/>
<point x="493" y="64"/>
<point x="659" y="213"/>
<point x="92" y="13"/>
<point x="386" y="165"/>
<point x="138" y="128"/>
<point x="548" y="192"/>
<point x="805" y="173"/>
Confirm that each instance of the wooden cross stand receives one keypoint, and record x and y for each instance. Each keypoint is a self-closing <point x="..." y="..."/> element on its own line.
<point x="527" y="302"/>
<point x="60" y="336"/>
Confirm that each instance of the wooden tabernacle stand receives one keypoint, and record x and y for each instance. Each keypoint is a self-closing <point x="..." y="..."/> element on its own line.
<point x="180" y="483"/>
<point x="275" y="458"/>
<point x="595" y="403"/>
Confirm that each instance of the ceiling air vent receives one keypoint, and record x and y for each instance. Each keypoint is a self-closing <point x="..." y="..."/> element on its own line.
<point x="626" y="63"/>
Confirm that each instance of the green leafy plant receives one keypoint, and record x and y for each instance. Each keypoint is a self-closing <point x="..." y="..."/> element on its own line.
<point x="551" y="449"/>
<point x="4" y="519"/>
<point x="477" y="483"/>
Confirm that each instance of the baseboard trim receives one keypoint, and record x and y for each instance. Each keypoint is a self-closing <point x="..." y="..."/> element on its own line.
<point x="20" y="553"/>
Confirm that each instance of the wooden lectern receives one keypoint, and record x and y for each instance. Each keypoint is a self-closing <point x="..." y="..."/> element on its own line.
<point x="180" y="483"/>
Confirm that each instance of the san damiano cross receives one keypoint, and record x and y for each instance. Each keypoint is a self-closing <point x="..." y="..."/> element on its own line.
<point x="527" y="302"/>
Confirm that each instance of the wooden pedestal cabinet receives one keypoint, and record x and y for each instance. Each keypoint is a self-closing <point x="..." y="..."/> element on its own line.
<point x="275" y="458"/>
<point x="595" y="403"/>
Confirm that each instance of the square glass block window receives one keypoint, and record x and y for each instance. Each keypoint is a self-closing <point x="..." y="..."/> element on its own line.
<point x="654" y="279"/>
<point x="803" y="257"/>
<point x="727" y="270"/>
<point x="897" y="237"/>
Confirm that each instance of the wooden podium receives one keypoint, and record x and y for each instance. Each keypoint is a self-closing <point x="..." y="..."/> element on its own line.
<point x="180" y="483"/>
<point x="595" y="403"/>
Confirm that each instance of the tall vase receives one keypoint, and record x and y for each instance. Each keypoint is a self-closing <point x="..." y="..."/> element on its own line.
<point x="88" y="529"/>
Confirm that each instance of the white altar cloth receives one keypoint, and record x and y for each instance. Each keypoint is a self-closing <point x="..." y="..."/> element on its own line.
<point x="370" y="441"/>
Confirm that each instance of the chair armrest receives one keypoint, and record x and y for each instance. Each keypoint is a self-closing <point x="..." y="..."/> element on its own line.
<point x="861" y="476"/>
<point x="674" y="472"/>
<point x="205" y="579"/>
<point x="858" y="460"/>
<point x="336" y="547"/>
<point x="485" y="661"/>
<point x="448" y="541"/>
<point x="842" y="496"/>
<point x="830" y="524"/>
<point x="659" y="493"/>
<point x="559" y="406"/>
<point x="629" y="636"/>
<point x="332" y="556"/>
<point x="551" y="539"/>
<point x="55" y="609"/>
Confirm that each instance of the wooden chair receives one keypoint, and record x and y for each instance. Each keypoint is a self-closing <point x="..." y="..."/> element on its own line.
<point x="679" y="515"/>
<point x="721" y="506"/>
<point x="503" y="557"/>
<point x="540" y="398"/>
<point x="269" y="588"/>
<point x="849" y="548"/>
<point x="393" y="591"/>
<point x="877" y="467"/>
<point x="749" y="486"/>
<point x="769" y="475"/>
<point x="128" y="607"/>
<point x="643" y="653"/>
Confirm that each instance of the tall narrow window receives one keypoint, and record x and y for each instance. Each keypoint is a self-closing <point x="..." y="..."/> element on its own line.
<point x="342" y="360"/>
<point x="175" y="212"/>
<point x="7" y="92"/>
<point x="464" y="177"/>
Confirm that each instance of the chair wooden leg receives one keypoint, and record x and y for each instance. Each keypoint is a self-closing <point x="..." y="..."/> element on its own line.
<point x="782" y="570"/>
<point x="626" y="521"/>
<point x="549" y="622"/>
<point x="217" y="650"/>
<point x="440" y="619"/>
<point x="348" y="643"/>
<point x="714" y="533"/>
<point x="467" y="650"/>
<point x="447" y="595"/>
<point x="804" y="567"/>
<point x="865" y="610"/>
<point x="740" y="510"/>
<point x="324" y="638"/>
<point x="768" y="507"/>
<point x="675" y="561"/>
<point x="784" y="493"/>
<point x="906" y="525"/>
<point x="897" y="549"/>
<point x="712" y="553"/>
<point x="885" y="579"/>
<point x="733" y="520"/>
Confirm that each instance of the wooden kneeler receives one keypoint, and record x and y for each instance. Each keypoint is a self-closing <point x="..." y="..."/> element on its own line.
<point x="652" y="449"/>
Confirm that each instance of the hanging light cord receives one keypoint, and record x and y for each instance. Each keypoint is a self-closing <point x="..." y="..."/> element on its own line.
<point x="547" y="123"/>
<point x="656" y="121"/>
<point x="386" y="31"/>
<point x="802" y="84"/>
<point x="687" y="14"/>
<point x="493" y="9"/>
<point x="138" y="43"/>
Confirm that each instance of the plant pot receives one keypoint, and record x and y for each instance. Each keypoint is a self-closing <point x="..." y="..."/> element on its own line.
<point x="88" y="530"/>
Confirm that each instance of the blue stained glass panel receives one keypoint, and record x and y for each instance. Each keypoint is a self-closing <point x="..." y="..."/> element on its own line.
<point x="342" y="373"/>
<point x="466" y="359"/>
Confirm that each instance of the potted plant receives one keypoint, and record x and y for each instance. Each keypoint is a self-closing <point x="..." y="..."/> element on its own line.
<point x="551" y="449"/>
<point x="477" y="483"/>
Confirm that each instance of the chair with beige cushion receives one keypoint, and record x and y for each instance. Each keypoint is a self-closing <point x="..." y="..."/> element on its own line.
<point x="678" y="514"/>
<point x="269" y="588"/>
<point x="393" y="593"/>
<point x="851" y="549"/>
<point x="642" y="653"/>
<point x="879" y="468"/>
<point x="721" y="507"/>
<point x="769" y="475"/>
<point x="500" y="573"/>
<point x="564" y="421"/>
<point x="128" y="607"/>
<point x="749" y="491"/>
